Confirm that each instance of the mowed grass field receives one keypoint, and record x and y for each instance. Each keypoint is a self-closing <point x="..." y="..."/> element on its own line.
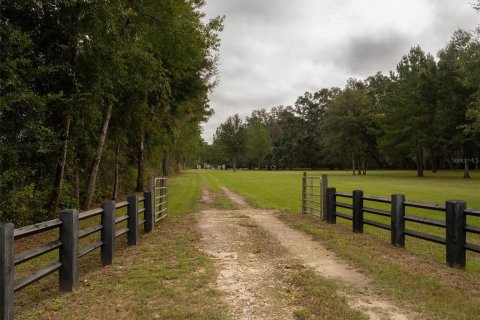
<point x="281" y="190"/>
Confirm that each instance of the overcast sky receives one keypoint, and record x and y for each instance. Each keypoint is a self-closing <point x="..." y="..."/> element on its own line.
<point x="274" y="50"/>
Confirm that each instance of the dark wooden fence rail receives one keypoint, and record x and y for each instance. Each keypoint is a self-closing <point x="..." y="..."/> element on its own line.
<point x="70" y="234"/>
<point x="455" y="225"/>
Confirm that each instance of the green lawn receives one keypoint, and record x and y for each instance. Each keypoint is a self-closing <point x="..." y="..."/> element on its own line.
<point x="282" y="189"/>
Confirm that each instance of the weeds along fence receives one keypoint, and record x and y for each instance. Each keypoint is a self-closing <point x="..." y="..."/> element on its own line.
<point x="116" y="220"/>
<point x="450" y="220"/>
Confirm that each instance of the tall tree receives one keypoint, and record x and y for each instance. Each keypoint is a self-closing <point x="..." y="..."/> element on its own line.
<point x="411" y="103"/>
<point x="286" y="139"/>
<point x="453" y="102"/>
<point x="347" y="126"/>
<point x="258" y="143"/>
<point x="230" y="135"/>
<point x="310" y="108"/>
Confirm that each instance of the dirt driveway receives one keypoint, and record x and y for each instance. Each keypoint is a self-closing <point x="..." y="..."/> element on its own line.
<point x="253" y="250"/>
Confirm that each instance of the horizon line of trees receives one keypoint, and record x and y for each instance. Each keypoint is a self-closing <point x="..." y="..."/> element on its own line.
<point x="425" y="114"/>
<point x="96" y="95"/>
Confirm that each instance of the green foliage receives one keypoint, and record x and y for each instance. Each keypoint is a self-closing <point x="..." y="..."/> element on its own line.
<point x="259" y="144"/>
<point x="349" y="124"/>
<point x="64" y="65"/>
<point x="453" y="94"/>
<point x="23" y="204"/>
<point x="412" y="96"/>
<point x="469" y="65"/>
<point x="230" y="136"/>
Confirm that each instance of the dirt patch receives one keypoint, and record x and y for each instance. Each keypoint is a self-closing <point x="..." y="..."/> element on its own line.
<point x="244" y="275"/>
<point x="247" y="271"/>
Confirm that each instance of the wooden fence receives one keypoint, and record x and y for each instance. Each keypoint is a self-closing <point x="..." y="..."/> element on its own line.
<point x="68" y="226"/>
<point x="455" y="213"/>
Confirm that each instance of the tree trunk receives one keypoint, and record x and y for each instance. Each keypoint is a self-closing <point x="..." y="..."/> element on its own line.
<point x="450" y="164"/>
<point x="76" y="187"/>
<point x="92" y="177"/>
<point x="466" y="171"/>
<point x="234" y="163"/>
<point x="434" y="162"/>
<point x="140" y="164"/>
<point x="177" y="163"/>
<point x="115" y="178"/>
<point x="57" y="186"/>
<point x="378" y="159"/>
<point x="364" y="167"/>
<point x="419" y="162"/>
<point x="165" y="165"/>
<point x="353" y="164"/>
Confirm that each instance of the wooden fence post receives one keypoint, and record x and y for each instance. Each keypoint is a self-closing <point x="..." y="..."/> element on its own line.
<point x="455" y="233"/>
<point x="149" y="217"/>
<point x="68" y="275"/>
<point x="332" y="205"/>
<point x="132" y="222"/>
<point x="357" y="211"/>
<point x="108" y="232"/>
<point x="151" y="189"/>
<point x="151" y="184"/>
<point x="323" y="196"/>
<point x="6" y="271"/>
<point x="304" y="193"/>
<point x="397" y="220"/>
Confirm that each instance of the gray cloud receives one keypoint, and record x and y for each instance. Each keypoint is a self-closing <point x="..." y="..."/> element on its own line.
<point x="381" y="52"/>
<point x="275" y="50"/>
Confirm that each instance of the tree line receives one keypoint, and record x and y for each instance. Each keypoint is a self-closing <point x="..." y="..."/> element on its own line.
<point x="425" y="114"/>
<point x="96" y="95"/>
